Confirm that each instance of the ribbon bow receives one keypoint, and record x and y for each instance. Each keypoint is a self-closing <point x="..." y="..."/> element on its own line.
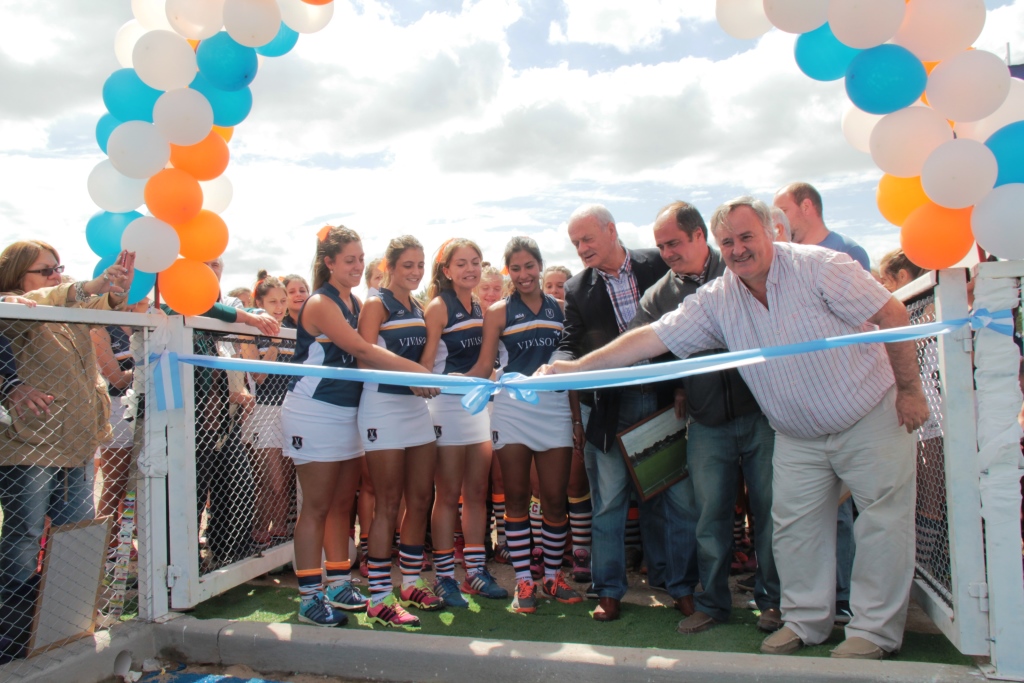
<point x="476" y="399"/>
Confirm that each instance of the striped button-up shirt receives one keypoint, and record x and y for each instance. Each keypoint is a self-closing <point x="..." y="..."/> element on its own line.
<point x="623" y="291"/>
<point x="812" y="293"/>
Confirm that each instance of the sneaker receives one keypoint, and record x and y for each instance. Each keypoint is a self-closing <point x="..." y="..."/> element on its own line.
<point x="482" y="583"/>
<point x="591" y="593"/>
<point x="843" y="612"/>
<point x="390" y="613"/>
<point x="525" y="601"/>
<point x="346" y="596"/>
<point x="364" y="566"/>
<point x="421" y="596"/>
<point x="460" y="545"/>
<point x="558" y="589"/>
<point x="319" y="613"/>
<point x="501" y="554"/>
<point x="581" y="565"/>
<point x="537" y="564"/>
<point x="447" y="588"/>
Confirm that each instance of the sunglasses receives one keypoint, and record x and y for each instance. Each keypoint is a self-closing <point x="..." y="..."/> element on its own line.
<point x="47" y="272"/>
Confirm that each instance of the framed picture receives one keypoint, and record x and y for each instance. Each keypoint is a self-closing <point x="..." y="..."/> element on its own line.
<point x="655" y="452"/>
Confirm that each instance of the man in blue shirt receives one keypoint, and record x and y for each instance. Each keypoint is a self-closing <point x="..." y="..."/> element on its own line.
<point x="802" y="205"/>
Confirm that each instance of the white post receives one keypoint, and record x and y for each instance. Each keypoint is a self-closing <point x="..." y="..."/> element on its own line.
<point x="997" y="361"/>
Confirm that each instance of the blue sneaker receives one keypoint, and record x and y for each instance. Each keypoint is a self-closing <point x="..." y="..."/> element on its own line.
<point x="447" y="588"/>
<point x="346" y="596"/>
<point x="319" y="613"/>
<point x="482" y="583"/>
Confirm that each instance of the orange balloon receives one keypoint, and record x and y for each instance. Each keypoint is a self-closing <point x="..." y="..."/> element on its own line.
<point x="897" y="197"/>
<point x="193" y="43"/>
<point x="189" y="287"/>
<point x="173" y="196"/>
<point x="203" y="238"/>
<point x="935" y="237"/>
<point x="203" y="161"/>
<point x="226" y="133"/>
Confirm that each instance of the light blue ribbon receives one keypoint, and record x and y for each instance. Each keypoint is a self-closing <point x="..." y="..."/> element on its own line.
<point x="166" y="380"/>
<point x="477" y="391"/>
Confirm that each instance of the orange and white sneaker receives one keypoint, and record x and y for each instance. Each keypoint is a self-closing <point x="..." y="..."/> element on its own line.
<point x="558" y="589"/>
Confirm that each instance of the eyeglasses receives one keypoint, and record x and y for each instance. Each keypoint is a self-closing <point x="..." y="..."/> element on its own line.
<point x="47" y="272"/>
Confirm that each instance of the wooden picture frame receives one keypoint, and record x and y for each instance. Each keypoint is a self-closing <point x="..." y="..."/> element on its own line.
<point x="654" y="450"/>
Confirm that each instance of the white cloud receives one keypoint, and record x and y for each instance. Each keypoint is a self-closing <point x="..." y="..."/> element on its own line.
<point x="1004" y="27"/>
<point x="627" y="25"/>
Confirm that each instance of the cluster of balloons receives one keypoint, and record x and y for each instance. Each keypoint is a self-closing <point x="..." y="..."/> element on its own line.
<point x="942" y="120"/>
<point x="171" y="111"/>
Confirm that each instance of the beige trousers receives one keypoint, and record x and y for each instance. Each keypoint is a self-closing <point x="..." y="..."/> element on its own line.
<point x="875" y="459"/>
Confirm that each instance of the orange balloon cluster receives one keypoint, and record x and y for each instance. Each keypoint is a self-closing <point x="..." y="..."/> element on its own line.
<point x="934" y="237"/>
<point x="189" y="287"/>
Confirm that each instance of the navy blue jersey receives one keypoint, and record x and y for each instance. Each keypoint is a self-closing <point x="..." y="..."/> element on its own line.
<point x="271" y="391"/>
<point x="310" y="350"/>
<point x="459" y="347"/>
<point x="121" y="345"/>
<point x="529" y="338"/>
<point x="403" y="333"/>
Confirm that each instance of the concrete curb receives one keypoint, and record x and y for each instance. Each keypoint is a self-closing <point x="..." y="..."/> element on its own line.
<point x="396" y="656"/>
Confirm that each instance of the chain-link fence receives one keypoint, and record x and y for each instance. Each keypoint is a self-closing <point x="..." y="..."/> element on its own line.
<point x="931" y="519"/>
<point x="70" y="438"/>
<point x="246" y="490"/>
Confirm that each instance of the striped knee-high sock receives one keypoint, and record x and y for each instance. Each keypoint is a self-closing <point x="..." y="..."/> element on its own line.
<point x="338" y="572"/>
<point x="379" y="578"/>
<point x="580" y="513"/>
<point x="554" y="546"/>
<point x="474" y="556"/>
<point x="444" y="563"/>
<point x="498" y="503"/>
<point x="536" y="522"/>
<point x="410" y="560"/>
<point x="517" y="533"/>
<point x="311" y="583"/>
<point x="364" y="544"/>
<point x="633" y="538"/>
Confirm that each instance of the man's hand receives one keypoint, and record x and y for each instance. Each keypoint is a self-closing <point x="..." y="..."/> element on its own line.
<point x="559" y="367"/>
<point x="679" y="403"/>
<point x="911" y="408"/>
<point x="25" y="398"/>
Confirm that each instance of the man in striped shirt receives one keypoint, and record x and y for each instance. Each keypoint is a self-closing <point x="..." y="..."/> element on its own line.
<point x="843" y="416"/>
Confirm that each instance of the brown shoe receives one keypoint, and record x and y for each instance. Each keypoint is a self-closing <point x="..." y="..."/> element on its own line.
<point x="685" y="605"/>
<point x="607" y="609"/>
<point x="783" y="642"/>
<point x="698" y="622"/>
<point x="858" y="648"/>
<point x="770" y="620"/>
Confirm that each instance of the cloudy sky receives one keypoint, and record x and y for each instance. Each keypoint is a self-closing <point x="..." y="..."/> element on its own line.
<point x="483" y="119"/>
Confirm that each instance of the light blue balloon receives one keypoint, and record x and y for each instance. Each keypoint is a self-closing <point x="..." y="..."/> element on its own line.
<point x="127" y="98"/>
<point x="104" y="229"/>
<point x="820" y="55"/>
<point x="229" y="107"/>
<point x="225" y="63"/>
<point x="282" y="43"/>
<point x="1007" y="144"/>
<point x="104" y="127"/>
<point x="884" y="79"/>
<point x="142" y="283"/>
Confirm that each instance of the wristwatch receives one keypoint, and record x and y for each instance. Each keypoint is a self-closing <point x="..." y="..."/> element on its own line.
<point x="81" y="295"/>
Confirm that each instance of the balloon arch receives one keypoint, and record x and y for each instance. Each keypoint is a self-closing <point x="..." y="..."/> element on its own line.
<point x="942" y="120"/>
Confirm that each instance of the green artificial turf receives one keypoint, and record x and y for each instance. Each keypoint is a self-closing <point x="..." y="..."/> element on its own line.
<point x="556" y="623"/>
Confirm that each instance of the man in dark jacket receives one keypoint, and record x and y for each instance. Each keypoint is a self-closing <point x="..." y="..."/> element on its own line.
<point x="600" y="303"/>
<point x="726" y="432"/>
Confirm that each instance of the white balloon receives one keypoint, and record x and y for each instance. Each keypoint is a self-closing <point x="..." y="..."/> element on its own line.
<point x="303" y="17"/>
<point x="743" y="19"/>
<point x="937" y="29"/>
<point x="865" y="23"/>
<point x="996" y="222"/>
<point x="154" y="242"/>
<point x="217" y="193"/>
<point x="196" y="19"/>
<point x="968" y="86"/>
<point x="151" y="14"/>
<point x="857" y="127"/>
<point x="252" y="23"/>
<point x="902" y="140"/>
<point x="114" y="192"/>
<point x="1011" y="111"/>
<point x="124" y="42"/>
<point x="795" y="16"/>
<point x="959" y="173"/>
<point x="137" y="149"/>
<point x="164" y="60"/>
<point x="184" y="116"/>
